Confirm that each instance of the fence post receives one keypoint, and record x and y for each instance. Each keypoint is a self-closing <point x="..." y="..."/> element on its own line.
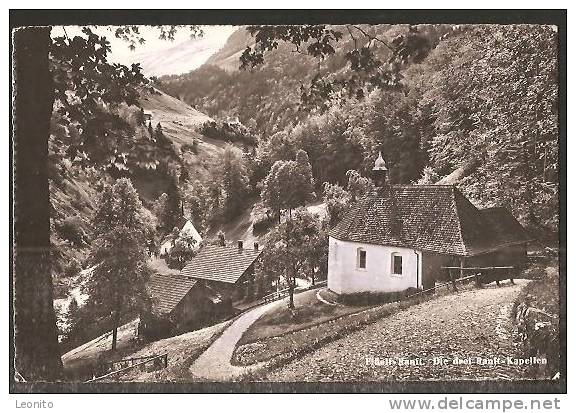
<point x="452" y="280"/>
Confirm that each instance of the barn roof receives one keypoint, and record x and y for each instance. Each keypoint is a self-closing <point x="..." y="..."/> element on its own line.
<point x="435" y="218"/>
<point x="167" y="290"/>
<point x="221" y="263"/>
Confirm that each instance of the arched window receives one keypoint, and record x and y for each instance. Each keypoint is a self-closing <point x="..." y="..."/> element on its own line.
<point x="396" y="263"/>
<point x="361" y="258"/>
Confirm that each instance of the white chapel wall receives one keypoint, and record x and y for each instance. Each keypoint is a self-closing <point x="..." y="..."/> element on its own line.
<point x="344" y="276"/>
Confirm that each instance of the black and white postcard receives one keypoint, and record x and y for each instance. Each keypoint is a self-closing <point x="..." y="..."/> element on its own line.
<point x="304" y="201"/>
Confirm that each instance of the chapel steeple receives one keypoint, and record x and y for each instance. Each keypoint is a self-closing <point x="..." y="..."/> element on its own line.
<point x="380" y="172"/>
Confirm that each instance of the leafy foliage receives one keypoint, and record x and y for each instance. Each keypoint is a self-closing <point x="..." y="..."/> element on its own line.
<point x="119" y="253"/>
<point x="183" y="249"/>
<point x="288" y="185"/>
<point x="365" y="67"/>
<point x="296" y="248"/>
<point x="228" y="131"/>
<point x="197" y="202"/>
<point x="492" y="94"/>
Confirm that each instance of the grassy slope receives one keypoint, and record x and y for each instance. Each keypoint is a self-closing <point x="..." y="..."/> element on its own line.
<point x="309" y="311"/>
<point x="182" y="351"/>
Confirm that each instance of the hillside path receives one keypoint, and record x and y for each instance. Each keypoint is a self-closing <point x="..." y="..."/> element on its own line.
<point x="214" y="364"/>
<point x="468" y="324"/>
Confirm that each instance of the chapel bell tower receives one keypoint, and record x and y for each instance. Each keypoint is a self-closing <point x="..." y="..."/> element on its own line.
<point x="380" y="172"/>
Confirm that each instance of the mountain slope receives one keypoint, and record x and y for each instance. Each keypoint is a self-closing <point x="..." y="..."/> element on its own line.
<point x="184" y="56"/>
<point x="228" y="57"/>
<point x="74" y="189"/>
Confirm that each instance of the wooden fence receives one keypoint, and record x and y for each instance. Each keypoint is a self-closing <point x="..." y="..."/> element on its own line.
<point x="110" y="369"/>
<point x="276" y="295"/>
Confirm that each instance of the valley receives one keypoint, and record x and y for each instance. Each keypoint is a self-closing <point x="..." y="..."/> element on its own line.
<point x="303" y="196"/>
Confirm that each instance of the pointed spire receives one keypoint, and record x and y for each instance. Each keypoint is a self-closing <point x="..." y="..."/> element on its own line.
<point x="380" y="164"/>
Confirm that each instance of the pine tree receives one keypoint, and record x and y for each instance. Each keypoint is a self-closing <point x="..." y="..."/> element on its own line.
<point x="73" y="316"/>
<point x="159" y="132"/>
<point x="151" y="131"/>
<point x="141" y="119"/>
<point x="304" y="185"/>
<point x="233" y="182"/>
<point x="118" y="283"/>
<point x="173" y="212"/>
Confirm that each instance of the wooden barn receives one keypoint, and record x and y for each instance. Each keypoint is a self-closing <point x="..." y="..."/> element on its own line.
<point x="181" y="304"/>
<point x="228" y="269"/>
<point x="410" y="236"/>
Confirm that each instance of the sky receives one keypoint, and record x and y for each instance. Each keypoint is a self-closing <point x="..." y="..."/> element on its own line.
<point x="160" y="57"/>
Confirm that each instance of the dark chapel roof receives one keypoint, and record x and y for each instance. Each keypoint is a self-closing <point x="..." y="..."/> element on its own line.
<point x="434" y="218"/>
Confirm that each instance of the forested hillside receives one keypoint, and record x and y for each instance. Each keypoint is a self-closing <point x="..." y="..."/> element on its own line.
<point x="156" y="154"/>
<point x="480" y="98"/>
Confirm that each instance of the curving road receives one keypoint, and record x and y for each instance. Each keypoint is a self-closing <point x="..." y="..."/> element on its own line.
<point x="214" y="364"/>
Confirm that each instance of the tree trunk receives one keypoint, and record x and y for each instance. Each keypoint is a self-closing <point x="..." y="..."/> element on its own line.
<point x="37" y="353"/>
<point x="291" y="301"/>
<point x="116" y="320"/>
<point x="115" y="330"/>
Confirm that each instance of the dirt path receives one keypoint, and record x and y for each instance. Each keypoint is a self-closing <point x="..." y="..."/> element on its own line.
<point x="214" y="363"/>
<point x="473" y="323"/>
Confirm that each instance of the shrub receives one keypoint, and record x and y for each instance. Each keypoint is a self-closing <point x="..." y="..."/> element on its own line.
<point x="71" y="229"/>
<point x="262" y="222"/>
<point x="536" y="313"/>
<point x="368" y="298"/>
<point x="229" y="132"/>
<point x="191" y="147"/>
<point x="72" y="268"/>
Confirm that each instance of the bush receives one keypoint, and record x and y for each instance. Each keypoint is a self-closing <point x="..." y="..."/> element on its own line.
<point x="536" y="313"/>
<point x="71" y="229"/>
<point x="193" y="147"/>
<point x="368" y="298"/>
<point x="229" y="132"/>
<point x="72" y="268"/>
<point x="262" y="222"/>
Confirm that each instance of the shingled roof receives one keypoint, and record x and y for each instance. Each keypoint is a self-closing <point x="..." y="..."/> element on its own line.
<point x="221" y="263"/>
<point x="434" y="218"/>
<point x="168" y="290"/>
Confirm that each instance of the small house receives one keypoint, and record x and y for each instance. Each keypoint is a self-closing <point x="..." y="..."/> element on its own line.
<point x="180" y="304"/>
<point x="228" y="268"/>
<point x="147" y="116"/>
<point x="410" y="236"/>
<point x="184" y="226"/>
